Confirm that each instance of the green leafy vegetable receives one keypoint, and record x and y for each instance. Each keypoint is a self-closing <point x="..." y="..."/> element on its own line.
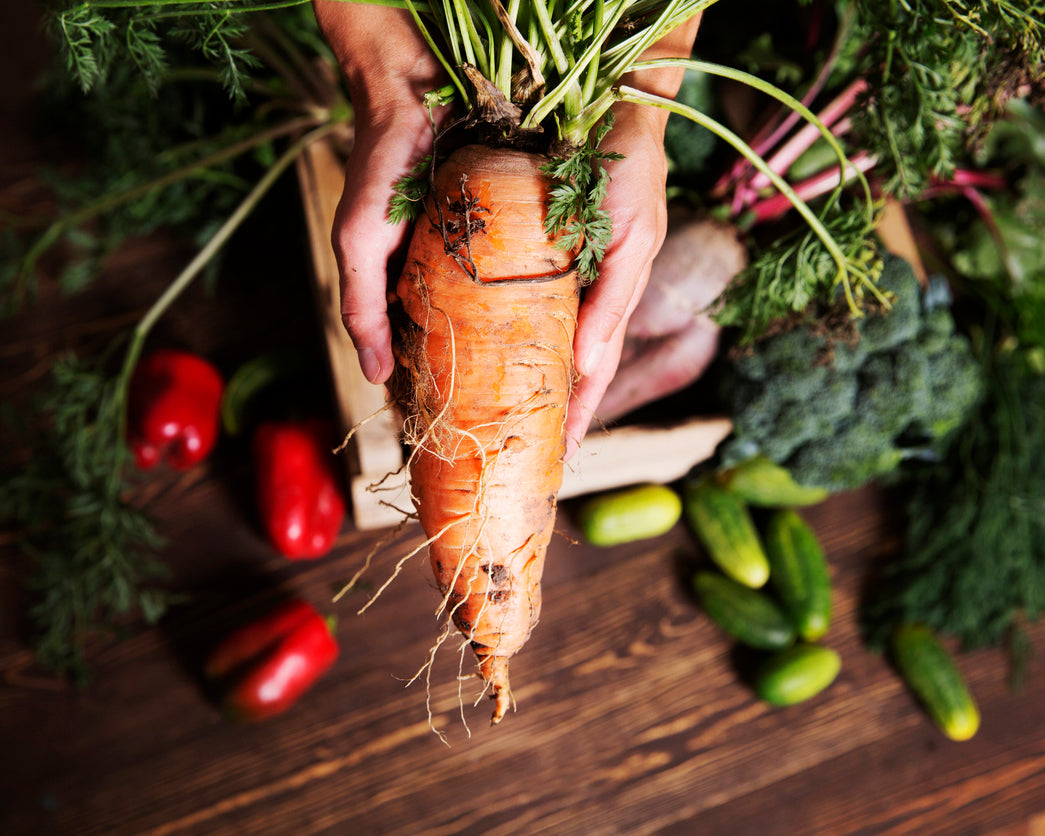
<point x="178" y="161"/>
<point x="940" y="72"/>
<point x="149" y="162"/>
<point x="973" y="566"/>
<point x="795" y="271"/>
<point x="579" y="185"/>
<point x="838" y="410"/>
<point x="93" y="550"/>
<point x="95" y="38"/>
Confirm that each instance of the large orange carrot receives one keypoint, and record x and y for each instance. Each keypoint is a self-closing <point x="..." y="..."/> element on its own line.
<point x="490" y="309"/>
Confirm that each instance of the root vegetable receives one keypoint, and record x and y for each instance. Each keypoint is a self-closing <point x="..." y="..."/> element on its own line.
<point x="485" y="371"/>
<point x="670" y="338"/>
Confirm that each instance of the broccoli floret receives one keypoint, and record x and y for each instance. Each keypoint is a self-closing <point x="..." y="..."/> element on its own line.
<point x="849" y="356"/>
<point x="793" y="352"/>
<point x="901" y="323"/>
<point x="796" y="386"/>
<point x="937" y="330"/>
<point x="955" y="388"/>
<point x="837" y="397"/>
<point x="755" y="411"/>
<point x="858" y="453"/>
<point x="894" y="388"/>
<point x="899" y="392"/>
<point x="796" y="425"/>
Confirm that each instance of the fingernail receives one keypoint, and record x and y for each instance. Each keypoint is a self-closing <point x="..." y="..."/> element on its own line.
<point x="368" y="362"/>
<point x="593" y="358"/>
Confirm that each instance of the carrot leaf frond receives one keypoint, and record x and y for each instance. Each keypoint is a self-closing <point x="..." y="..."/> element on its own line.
<point x="575" y="200"/>
<point x="409" y="191"/>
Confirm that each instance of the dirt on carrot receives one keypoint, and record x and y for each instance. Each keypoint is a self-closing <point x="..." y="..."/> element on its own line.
<point x="485" y="371"/>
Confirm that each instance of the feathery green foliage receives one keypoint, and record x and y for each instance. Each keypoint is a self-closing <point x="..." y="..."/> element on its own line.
<point x="940" y="72"/>
<point x="94" y="552"/>
<point x="973" y="566"/>
<point x="580" y="183"/>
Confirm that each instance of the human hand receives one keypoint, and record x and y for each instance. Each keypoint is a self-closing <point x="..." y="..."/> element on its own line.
<point x="637" y="203"/>
<point x="388" y="68"/>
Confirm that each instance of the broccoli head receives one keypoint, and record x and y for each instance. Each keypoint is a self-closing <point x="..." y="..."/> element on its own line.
<point x="901" y="390"/>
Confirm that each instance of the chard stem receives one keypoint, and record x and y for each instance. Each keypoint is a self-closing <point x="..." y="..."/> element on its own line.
<point x="798" y="144"/>
<point x="785" y="98"/>
<point x="845" y="270"/>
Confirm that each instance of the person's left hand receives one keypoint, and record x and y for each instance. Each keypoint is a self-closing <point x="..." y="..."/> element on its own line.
<point x="637" y="203"/>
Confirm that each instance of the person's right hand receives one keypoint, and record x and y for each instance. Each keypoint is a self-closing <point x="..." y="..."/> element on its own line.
<point x="388" y="68"/>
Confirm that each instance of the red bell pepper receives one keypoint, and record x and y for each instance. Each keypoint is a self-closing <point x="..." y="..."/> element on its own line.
<point x="300" y="497"/>
<point x="173" y="406"/>
<point x="267" y="665"/>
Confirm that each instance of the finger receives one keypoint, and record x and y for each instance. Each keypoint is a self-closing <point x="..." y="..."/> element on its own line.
<point x="588" y="392"/>
<point x="365" y="242"/>
<point x="636" y="204"/>
<point x="610" y="301"/>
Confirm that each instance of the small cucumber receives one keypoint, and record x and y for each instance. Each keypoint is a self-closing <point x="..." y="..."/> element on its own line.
<point x="933" y="676"/>
<point x="798" y="572"/>
<point x="749" y="616"/>
<point x="629" y="514"/>
<point x="724" y="526"/>
<point x="793" y="675"/>
<point x="762" y="482"/>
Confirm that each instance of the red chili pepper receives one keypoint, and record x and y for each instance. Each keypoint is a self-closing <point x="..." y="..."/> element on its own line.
<point x="299" y="494"/>
<point x="267" y="665"/>
<point x="174" y="402"/>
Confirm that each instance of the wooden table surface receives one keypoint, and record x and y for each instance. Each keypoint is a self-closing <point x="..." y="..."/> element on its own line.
<point x="631" y="716"/>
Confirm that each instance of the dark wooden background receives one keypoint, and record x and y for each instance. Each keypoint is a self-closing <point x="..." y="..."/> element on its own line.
<point x="632" y="718"/>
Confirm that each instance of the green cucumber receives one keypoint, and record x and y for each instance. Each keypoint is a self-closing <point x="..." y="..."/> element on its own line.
<point x="933" y="676"/>
<point x="762" y="482"/>
<point x="798" y="572"/>
<point x="796" y="674"/>
<point x="629" y="514"/>
<point x="749" y="616"/>
<point x="723" y="524"/>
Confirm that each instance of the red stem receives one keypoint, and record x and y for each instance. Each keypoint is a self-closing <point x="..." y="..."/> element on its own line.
<point x="782" y="160"/>
<point x="778" y="205"/>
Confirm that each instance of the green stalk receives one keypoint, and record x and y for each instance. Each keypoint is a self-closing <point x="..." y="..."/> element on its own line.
<point x="571" y="91"/>
<point x="451" y="34"/>
<point x="669" y="18"/>
<point x="473" y="46"/>
<point x="547" y="105"/>
<point x="198" y="262"/>
<point x="592" y="77"/>
<point x="436" y="51"/>
<point x="846" y="269"/>
<point x="507" y="52"/>
<point x="784" y="98"/>
<point x="112" y="200"/>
